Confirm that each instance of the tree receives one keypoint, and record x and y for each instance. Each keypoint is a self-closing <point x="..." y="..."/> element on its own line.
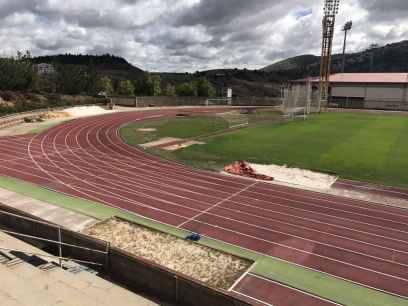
<point x="92" y="82"/>
<point x="204" y="88"/>
<point x="156" y="85"/>
<point x="150" y="85"/>
<point x="17" y="73"/>
<point x="46" y="83"/>
<point x="170" y="90"/>
<point x="72" y="79"/>
<point x="126" y="88"/>
<point x="186" y="90"/>
<point x="105" y="85"/>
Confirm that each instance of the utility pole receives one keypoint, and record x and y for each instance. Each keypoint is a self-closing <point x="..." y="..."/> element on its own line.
<point x="331" y="9"/>
<point x="347" y="27"/>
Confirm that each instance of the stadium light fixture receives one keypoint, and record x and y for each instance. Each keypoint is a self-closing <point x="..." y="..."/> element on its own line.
<point x="347" y="27"/>
<point x="331" y="9"/>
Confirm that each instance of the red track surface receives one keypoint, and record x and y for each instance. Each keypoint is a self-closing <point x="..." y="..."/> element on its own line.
<point x="387" y="191"/>
<point x="355" y="240"/>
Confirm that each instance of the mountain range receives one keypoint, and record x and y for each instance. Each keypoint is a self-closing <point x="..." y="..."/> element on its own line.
<point x="263" y="82"/>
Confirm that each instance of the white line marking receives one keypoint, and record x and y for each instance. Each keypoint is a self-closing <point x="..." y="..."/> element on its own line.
<point x="242" y="276"/>
<point x="295" y="289"/>
<point x="252" y="298"/>
<point x="216" y="204"/>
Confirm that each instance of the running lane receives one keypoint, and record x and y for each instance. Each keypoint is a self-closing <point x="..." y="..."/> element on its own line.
<point x="362" y="242"/>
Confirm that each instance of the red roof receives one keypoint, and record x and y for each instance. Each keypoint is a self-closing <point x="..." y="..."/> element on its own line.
<point x="365" y="78"/>
<point x="369" y="78"/>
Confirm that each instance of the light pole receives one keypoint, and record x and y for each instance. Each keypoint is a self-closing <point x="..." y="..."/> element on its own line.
<point x="347" y="27"/>
<point x="331" y="9"/>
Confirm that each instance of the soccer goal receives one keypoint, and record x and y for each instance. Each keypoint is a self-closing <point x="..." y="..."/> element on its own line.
<point x="300" y="100"/>
<point x="218" y="101"/>
<point x="235" y="119"/>
<point x="226" y="98"/>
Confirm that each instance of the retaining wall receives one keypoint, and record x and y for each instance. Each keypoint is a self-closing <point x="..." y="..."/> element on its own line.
<point x="190" y="101"/>
<point x="136" y="274"/>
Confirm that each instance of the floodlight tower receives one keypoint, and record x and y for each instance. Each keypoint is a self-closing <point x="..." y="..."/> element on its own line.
<point x="331" y="8"/>
<point x="347" y="27"/>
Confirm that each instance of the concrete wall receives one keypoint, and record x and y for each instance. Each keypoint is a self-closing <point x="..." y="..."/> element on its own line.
<point x="134" y="273"/>
<point x="381" y="96"/>
<point x="191" y="101"/>
<point x="158" y="101"/>
<point x="348" y="91"/>
<point x="383" y="93"/>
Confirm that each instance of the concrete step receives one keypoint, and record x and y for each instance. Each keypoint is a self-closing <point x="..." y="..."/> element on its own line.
<point x="101" y="289"/>
<point x="17" y="289"/>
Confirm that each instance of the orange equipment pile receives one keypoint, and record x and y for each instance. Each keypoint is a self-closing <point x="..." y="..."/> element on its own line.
<point x="244" y="169"/>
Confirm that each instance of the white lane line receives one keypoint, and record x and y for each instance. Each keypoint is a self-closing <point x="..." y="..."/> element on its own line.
<point x="120" y="184"/>
<point x="128" y="165"/>
<point x="295" y="289"/>
<point x="252" y="298"/>
<point x="216" y="204"/>
<point x="325" y="199"/>
<point x="353" y="203"/>
<point x="231" y="219"/>
<point x="108" y="204"/>
<point x="354" y="213"/>
<point x="28" y="158"/>
<point x="236" y="220"/>
<point x="242" y="276"/>
<point x="189" y="178"/>
<point x="373" y="187"/>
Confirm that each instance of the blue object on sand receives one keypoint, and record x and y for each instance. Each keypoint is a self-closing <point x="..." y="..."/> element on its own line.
<point x="193" y="237"/>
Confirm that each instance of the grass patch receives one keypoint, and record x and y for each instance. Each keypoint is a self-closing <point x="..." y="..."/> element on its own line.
<point x="359" y="146"/>
<point x="180" y="127"/>
<point x="319" y="284"/>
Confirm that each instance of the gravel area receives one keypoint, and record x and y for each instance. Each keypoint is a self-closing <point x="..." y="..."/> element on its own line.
<point x="216" y="269"/>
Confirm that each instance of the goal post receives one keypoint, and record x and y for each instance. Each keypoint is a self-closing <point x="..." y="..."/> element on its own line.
<point x="235" y="119"/>
<point x="218" y="101"/>
<point x="300" y="99"/>
<point x="226" y="98"/>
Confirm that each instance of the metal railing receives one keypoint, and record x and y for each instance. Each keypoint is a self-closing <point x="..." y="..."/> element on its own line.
<point x="58" y="242"/>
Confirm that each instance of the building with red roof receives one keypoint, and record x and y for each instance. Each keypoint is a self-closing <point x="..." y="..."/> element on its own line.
<point x="368" y="90"/>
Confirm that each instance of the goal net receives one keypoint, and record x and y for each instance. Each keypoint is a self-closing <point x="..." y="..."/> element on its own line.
<point x="218" y="101"/>
<point x="300" y="100"/>
<point x="235" y="119"/>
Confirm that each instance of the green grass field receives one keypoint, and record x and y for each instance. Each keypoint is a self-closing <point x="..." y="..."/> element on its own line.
<point x="332" y="288"/>
<point x="358" y="146"/>
<point x="180" y="127"/>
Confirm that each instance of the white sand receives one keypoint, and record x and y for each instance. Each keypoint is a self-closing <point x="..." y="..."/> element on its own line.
<point x="85" y="111"/>
<point x="210" y="266"/>
<point x="147" y="130"/>
<point x="161" y="141"/>
<point x="183" y="145"/>
<point x="295" y="176"/>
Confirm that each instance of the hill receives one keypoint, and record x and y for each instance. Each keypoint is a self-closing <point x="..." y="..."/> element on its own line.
<point x="115" y="67"/>
<point x="389" y="58"/>
<point x="244" y="82"/>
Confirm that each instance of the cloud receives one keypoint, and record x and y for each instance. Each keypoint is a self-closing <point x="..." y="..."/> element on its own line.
<point x="190" y="35"/>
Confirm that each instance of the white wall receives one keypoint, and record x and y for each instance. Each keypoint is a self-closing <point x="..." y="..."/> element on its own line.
<point x="348" y="91"/>
<point x="385" y="93"/>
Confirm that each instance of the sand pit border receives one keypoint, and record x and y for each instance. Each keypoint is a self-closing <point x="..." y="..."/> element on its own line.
<point x="213" y="267"/>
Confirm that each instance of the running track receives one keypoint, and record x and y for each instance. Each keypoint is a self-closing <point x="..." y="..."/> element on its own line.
<point x="354" y="240"/>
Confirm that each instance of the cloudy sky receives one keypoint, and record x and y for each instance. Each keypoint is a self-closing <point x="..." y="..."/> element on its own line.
<point x="190" y="35"/>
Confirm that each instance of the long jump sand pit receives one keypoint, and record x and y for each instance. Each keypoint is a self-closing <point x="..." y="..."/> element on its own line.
<point x="214" y="268"/>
